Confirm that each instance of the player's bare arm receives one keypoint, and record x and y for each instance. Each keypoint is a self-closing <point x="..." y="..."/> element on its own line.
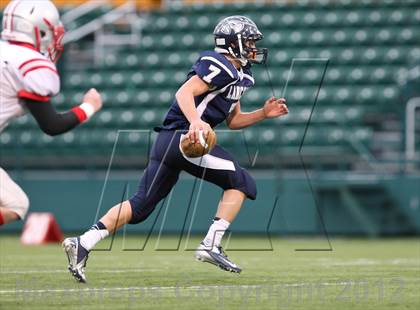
<point x="272" y="108"/>
<point x="185" y="96"/>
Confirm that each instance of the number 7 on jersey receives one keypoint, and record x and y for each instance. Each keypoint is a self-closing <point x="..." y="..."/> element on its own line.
<point x="214" y="72"/>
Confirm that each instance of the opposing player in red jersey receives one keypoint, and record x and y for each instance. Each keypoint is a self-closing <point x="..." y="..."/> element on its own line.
<point x="32" y="35"/>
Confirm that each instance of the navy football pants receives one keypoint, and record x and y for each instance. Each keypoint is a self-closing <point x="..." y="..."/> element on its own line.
<point x="167" y="161"/>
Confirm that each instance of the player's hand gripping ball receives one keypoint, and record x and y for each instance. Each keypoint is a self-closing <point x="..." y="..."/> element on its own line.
<point x="202" y="147"/>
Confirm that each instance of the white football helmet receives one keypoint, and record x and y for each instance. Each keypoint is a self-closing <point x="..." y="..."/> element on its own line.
<point x="35" y="22"/>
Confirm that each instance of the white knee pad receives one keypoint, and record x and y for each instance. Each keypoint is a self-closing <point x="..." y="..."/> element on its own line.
<point x="12" y="196"/>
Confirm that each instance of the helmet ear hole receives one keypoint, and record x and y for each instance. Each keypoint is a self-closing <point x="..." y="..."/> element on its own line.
<point x="43" y="33"/>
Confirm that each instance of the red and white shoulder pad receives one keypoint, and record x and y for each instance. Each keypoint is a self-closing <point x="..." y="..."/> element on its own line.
<point x="40" y="79"/>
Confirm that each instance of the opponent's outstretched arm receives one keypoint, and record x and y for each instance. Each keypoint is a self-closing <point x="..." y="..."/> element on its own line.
<point x="272" y="108"/>
<point x="54" y="123"/>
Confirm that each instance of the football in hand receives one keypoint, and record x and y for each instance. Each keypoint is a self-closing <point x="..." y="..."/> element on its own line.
<point x="201" y="147"/>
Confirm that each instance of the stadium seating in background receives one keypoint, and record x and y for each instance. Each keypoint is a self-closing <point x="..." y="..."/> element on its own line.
<point x="367" y="44"/>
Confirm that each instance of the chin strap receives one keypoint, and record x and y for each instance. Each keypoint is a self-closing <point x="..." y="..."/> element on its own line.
<point x="229" y="51"/>
<point x="242" y="60"/>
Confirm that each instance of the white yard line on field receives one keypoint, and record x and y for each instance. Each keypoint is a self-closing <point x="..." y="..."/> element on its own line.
<point x="328" y="262"/>
<point x="271" y="288"/>
<point x="167" y="288"/>
<point x="65" y="271"/>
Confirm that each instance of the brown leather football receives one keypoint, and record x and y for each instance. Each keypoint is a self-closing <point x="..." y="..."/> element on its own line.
<point x="203" y="147"/>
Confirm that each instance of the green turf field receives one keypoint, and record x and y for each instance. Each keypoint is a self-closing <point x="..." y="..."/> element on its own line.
<point x="356" y="274"/>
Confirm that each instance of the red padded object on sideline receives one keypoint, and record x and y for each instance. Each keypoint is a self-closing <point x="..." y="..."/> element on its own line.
<point x="41" y="228"/>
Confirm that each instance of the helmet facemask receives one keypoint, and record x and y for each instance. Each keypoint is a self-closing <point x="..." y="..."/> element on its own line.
<point x="56" y="47"/>
<point x="36" y="23"/>
<point x="249" y="51"/>
<point x="237" y="36"/>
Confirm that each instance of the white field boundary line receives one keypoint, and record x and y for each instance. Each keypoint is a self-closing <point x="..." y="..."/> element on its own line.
<point x="169" y="288"/>
<point x="183" y="288"/>
<point x="408" y="262"/>
<point x="66" y="271"/>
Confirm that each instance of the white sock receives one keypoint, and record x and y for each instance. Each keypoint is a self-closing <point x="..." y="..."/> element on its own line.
<point x="215" y="233"/>
<point x="90" y="238"/>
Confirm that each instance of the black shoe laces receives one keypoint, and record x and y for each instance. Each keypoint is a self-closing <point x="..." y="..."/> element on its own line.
<point x="84" y="265"/>
<point x="222" y="251"/>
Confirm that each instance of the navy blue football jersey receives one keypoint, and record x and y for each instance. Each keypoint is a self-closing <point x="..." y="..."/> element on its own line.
<point x="227" y="85"/>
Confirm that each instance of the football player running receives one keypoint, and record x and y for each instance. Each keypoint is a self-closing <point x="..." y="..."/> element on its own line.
<point x="210" y="96"/>
<point x="31" y="44"/>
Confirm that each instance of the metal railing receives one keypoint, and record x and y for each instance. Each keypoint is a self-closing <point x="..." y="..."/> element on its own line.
<point x="98" y="23"/>
<point x="410" y="127"/>
<point x="103" y="39"/>
<point x="82" y="10"/>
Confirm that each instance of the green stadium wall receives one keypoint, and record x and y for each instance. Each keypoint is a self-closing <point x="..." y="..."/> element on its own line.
<point x="350" y="204"/>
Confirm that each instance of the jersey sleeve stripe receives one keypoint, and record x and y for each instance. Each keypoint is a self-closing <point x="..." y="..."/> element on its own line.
<point x="27" y="95"/>
<point x="39" y="67"/>
<point x="220" y="64"/>
<point x="32" y="60"/>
